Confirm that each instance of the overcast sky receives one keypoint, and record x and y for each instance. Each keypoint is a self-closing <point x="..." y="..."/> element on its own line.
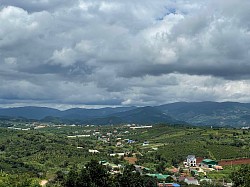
<point x="88" y="53"/>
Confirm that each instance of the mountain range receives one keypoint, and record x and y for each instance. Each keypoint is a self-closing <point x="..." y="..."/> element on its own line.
<point x="196" y="113"/>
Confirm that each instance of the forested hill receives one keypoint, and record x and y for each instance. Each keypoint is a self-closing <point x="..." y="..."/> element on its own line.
<point x="210" y="113"/>
<point x="198" y="113"/>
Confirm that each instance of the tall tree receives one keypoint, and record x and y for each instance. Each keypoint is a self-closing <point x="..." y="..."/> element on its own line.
<point x="241" y="177"/>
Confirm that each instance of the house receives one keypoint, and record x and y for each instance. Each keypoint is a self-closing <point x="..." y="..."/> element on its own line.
<point x="93" y="151"/>
<point x="145" y="143"/>
<point x="159" y="176"/>
<point x="141" y="169"/>
<point x="191" y="161"/>
<point x="168" y="185"/>
<point x="118" y="144"/>
<point x="71" y="136"/>
<point x="83" y="135"/>
<point x="172" y="184"/>
<point x="117" y="154"/>
<point x="208" y="163"/>
<point x="206" y="180"/>
<point x="130" y="141"/>
<point x="109" y="134"/>
<point x="191" y="180"/>
<point x="141" y="127"/>
<point x="228" y="184"/>
<point x="96" y="133"/>
<point x="218" y="167"/>
<point x="114" y="168"/>
<point x="188" y="180"/>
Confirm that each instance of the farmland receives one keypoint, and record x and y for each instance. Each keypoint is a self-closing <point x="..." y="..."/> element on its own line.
<point x="40" y="151"/>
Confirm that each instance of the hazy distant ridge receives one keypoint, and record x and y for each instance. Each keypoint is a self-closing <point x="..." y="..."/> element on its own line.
<point x="199" y="113"/>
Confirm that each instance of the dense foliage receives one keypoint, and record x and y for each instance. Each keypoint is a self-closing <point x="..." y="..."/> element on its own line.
<point x="241" y="177"/>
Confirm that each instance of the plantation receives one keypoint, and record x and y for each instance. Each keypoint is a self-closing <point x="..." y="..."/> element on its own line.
<point x="43" y="153"/>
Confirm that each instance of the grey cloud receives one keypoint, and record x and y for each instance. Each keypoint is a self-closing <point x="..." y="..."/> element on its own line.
<point x="123" y="52"/>
<point x="37" y="5"/>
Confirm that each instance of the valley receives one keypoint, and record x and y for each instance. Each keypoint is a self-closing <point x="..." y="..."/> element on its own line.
<point x="39" y="152"/>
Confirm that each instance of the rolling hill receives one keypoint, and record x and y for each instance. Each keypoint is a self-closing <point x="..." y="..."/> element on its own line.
<point x="198" y="113"/>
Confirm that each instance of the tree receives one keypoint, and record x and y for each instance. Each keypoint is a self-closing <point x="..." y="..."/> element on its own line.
<point x="210" y="184"/>
<point x="160" y="168"/>
<point x="23" y="180"/>
<point x="84" y="179"/>
<point x="169" y="179"/>
<point x="241" y="177"/>
<point x="93" y="175"/>
<point x="130" y="178"/>
<point x="71" y="178"/>
<point x="98" y="173"/>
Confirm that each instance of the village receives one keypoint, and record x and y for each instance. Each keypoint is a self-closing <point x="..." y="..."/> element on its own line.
<point x="146" y="148"/>
<point x="191" y="171"/>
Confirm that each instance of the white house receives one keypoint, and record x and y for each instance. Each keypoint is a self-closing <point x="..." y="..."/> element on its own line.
<point x="93" y="151"/>
<point x="191" y="161"/>
<point x="117" y="154"/>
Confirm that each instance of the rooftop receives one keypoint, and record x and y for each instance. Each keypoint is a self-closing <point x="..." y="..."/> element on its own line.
<point x="159" y="176"/>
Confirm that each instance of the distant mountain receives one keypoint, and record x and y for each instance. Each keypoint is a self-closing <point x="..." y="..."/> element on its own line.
<point x="29" y="112"/>
<point x="199" y="113"/>
<point x="210" y="113"/>
<point x="83" y="114"/>
<point x="143" y="115"/>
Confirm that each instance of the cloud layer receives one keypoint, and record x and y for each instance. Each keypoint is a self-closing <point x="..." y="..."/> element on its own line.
<point x="92" y="52"/>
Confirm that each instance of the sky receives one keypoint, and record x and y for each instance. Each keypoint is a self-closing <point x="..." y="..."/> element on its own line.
<point x="93" y="53"/>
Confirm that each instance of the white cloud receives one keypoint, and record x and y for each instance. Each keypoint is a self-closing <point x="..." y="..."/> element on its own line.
<point x="10" y="61"/>
<point x="124" y="52"/>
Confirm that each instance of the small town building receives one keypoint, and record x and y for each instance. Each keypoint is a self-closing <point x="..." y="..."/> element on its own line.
<point x="93" y="151"/>
<point x="191" y="161"/>
<point x="208" y="163"/>
<point x="168" y="185"/>
<point x="218" y="167"/>
<point x="130" y="141"/>
<point x="117" y="154"/>
<point x="188" y="180"/>
<point x="191" y="180"/>
<point x="159" y="176"/>
<point x="118" y="144"/>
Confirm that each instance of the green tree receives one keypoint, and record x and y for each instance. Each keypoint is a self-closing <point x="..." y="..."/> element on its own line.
<point x="98" y="173"/>
<point x="84" y="179"/>
<point x="130" y="178"/>
<point x="241" y="177"/>
<point x="160" y="168"/>
<point x="71" y="178"/>
<point x="18" y="181"/>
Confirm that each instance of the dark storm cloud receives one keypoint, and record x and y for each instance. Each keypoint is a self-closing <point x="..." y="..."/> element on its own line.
<point x="123" y="52"/>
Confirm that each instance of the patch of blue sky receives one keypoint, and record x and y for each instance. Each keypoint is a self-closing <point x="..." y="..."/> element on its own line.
<point x="168" y="11"/>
